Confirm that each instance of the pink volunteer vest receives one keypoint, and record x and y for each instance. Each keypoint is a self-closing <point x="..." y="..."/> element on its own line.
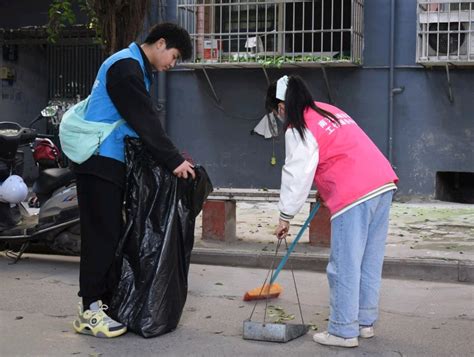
<point x="350" y="165"/>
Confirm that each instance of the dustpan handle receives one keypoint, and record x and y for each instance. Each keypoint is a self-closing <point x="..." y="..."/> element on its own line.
<point x="293" y="244"/>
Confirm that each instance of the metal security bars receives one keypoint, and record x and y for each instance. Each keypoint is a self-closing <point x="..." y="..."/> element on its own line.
<point x="445" y="32"/>
<point x="256" y="33"/>
<point x="72" y="69"/>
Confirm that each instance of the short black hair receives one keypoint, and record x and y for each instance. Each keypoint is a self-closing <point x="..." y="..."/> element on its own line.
<point x="175" y="37"/>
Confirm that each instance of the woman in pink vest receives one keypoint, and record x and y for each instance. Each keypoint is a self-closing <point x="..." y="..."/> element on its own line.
<point x="355" y="181"/>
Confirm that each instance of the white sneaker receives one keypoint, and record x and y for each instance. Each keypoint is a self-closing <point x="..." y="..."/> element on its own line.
<point x="325" y="338"/>
<point x="366" y="331"/>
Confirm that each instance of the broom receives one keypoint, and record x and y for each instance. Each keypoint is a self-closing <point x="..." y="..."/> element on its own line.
<point x="273" y="290"/>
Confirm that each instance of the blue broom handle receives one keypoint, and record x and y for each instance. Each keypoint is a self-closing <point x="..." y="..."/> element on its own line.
<point x="293" y="244"/>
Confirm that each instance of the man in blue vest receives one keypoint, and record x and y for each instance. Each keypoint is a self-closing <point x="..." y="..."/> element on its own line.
<point x="120" y="91"/>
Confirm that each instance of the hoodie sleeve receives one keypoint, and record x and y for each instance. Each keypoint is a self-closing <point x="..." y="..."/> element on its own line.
<point x="297" y="175"/>
<point x="126" y="88"/>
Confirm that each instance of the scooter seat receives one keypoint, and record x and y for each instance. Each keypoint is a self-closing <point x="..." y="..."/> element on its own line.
<point x="51" y="179"/>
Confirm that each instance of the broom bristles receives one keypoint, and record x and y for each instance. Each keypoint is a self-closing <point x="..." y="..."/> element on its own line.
<point x="264" y="292"/>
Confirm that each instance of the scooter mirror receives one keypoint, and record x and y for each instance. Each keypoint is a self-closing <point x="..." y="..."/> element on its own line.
<point x="49" y="111"/>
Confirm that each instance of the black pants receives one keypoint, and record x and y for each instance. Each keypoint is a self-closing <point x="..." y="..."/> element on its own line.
<point x="100" y="207"/>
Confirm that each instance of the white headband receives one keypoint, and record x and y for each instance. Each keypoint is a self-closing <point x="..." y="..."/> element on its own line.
<point x="282" y="84"/>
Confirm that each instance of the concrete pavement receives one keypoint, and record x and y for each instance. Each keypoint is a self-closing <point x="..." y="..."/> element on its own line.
<point x="418" y="318"/>
<point x="429" y="240"/>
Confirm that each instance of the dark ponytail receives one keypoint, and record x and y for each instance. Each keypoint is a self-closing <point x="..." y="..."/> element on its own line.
<point x="297" y="99"/>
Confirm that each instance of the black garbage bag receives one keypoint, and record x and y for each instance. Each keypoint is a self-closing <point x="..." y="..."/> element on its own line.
<point x="154" y="254"/>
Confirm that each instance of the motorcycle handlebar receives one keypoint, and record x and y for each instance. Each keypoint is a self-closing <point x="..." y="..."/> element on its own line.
<point x="39" y="135"/>
<point x="45" y="136"/>
<point x="38" y="117"/>
<point x="27" y="135"/>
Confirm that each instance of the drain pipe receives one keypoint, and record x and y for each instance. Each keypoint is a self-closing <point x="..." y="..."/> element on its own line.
<point x="161" y="76"/>
<point x="161" y="106"/>
<point x="391" y="81"/>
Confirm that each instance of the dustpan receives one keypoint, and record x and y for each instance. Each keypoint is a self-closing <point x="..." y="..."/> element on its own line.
<point x="274" y="331"/>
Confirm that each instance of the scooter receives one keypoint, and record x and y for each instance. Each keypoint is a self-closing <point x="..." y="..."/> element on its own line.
<point x="53" y="216"/>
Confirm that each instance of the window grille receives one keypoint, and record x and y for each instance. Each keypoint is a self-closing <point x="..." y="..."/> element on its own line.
<point x="255" y="33"/>
<point x="445" y="32"/>
<point x="72" y="69"/>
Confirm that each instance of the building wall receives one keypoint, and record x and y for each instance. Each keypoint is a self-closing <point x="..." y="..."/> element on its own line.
<point x="430" y="133"/>
<point x="19" y="13"/>
<point x="22" y="100"/>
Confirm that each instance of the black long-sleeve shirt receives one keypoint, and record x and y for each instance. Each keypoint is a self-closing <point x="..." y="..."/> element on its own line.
<point x="127" y="90"/>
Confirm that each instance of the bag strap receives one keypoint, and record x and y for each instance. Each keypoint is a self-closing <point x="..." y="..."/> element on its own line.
<point x="118" y="123"/>
<point x="85" y="102"/>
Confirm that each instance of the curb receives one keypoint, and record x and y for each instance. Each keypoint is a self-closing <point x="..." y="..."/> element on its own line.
<point x="403" y="268"/>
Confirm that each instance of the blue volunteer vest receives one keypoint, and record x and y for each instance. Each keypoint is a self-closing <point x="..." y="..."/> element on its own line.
<point x="101" y="108"/>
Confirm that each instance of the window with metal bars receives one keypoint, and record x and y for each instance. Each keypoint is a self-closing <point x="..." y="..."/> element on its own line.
<point x="445" y="32"/>
<point x="72" y="69"/>
<point x="273" y="33"/>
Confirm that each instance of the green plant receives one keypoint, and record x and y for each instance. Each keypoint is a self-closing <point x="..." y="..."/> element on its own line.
<point x="87" y="8"/>
<point x="60" y="14"/>
<point x="115" y="22"/>
<point x="279" y="61"/>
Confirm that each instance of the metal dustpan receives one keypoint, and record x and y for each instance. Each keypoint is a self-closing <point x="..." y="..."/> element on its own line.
<point x="273" y="332"/>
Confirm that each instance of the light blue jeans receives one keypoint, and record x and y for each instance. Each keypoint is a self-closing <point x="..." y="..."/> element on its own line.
<point x="355" y="265"/>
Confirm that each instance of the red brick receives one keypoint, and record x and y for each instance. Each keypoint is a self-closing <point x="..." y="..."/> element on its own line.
<point x="320" y="228"/>
<point x="218" y="220"/>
